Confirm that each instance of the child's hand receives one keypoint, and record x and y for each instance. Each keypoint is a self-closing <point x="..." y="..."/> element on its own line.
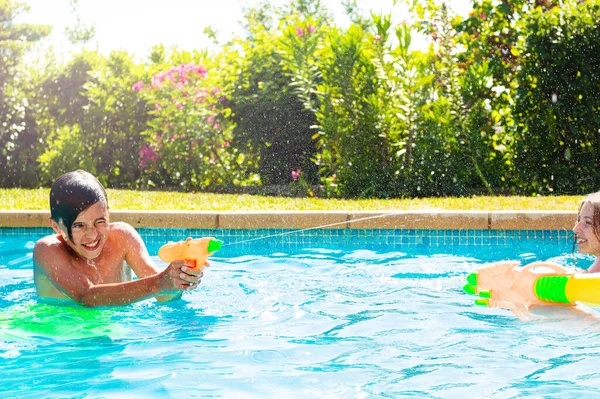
<point x="506" y="285"/>
<point x="191" y="275"/>
<point x="179" y="276"/>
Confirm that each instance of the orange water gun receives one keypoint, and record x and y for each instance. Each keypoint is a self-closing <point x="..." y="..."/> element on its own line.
<point x="194" y="249"/>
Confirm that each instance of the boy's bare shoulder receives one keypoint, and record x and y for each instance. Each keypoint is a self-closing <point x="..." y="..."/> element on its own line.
<point x="47" y="249"/>
<point x="123" y="231"/>
<point x="121" y="228"/>
<point x="47" y="243"/>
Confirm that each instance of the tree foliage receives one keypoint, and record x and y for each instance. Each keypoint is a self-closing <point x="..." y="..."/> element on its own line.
<point x="272" y="124"/>
<point x="559" y="101"/>
<point x="93" y="120"/>
<point x="502" y="101"/>
<point x="18" y="140"/>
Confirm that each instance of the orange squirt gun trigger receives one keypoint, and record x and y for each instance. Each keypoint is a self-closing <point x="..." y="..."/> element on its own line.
<point x="195" y="249"/>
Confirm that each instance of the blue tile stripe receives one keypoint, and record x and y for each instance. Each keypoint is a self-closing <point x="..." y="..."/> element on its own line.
<point x="394" y="238"/>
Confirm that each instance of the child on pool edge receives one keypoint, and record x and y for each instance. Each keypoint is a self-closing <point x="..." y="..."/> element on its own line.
<point x="90" y="260"/>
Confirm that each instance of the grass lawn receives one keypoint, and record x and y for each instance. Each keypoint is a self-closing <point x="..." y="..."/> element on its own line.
<point x="37" y="199"/>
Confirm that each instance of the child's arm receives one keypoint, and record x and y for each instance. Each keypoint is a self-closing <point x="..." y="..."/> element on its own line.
<point x="56" y="264"/>
<point x="141" y="263"/>
<point x="595" y="267"/>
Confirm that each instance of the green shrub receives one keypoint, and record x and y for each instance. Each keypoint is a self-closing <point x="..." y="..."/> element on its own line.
<point x="272" y="125"/>
<point x="559" y="101"/>
<point x="93" y="120"/>
<point x="19" y="142"/>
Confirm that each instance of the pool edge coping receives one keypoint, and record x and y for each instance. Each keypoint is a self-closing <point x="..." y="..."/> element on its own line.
<point x="343" y="219"/>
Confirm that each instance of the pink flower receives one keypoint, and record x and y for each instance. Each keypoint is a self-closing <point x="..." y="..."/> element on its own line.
<point x="311" y="29"/>
<point x="157" y="107"/>
<point x="377" y="38"/>
<point x="296" y="174"/>
<point x="299" y="32"/>
<point x="138" y="86"/>
<point x="226" y="144"/>
<point x="210" y="120"/>
<point x="179" y="75"/>
<point x="179" y="105"/>
<point x="158" y="79"/>
<point x="201" y="70"/>
<point x="200" y="96"/>
<point x="147" y="154"/>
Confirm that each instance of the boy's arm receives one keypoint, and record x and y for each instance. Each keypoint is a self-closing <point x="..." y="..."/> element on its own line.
<point x="141" y="263"/>
<point x="50" y="260"/>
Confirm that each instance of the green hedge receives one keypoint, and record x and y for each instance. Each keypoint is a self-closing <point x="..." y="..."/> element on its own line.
<point x="558" y="102"/>
<point x="503" y="101"/>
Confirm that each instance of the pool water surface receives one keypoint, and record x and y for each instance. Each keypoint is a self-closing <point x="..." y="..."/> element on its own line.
<point x="330" y="321"/>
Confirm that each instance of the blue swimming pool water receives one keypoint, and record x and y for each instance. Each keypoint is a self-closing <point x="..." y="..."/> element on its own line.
<point x="377" y="318"/>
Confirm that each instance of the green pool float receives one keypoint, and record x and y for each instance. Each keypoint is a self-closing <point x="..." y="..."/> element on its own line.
<point x="31" y="320"/>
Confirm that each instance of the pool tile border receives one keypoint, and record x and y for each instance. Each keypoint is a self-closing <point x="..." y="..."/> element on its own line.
<point x="507" y="220"/>
<point x="283" y="220"/>
<point x="283" y="239"/>
<point x="477" y="220"/>
<point x="426" y="219"/>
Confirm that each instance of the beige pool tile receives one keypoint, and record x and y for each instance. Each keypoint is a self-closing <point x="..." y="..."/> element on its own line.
<point x="24" y="219"/>
<point x="175" y="219"/>
<point x="419" y="220"/>
<point x="283" y="220"/>
<point x="497" y="220"/>
<point x="532" y="220"/>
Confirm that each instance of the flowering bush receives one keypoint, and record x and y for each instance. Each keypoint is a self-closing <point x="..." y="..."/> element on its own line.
<point x="188" y="143"/>
<point x="300" y="186"/>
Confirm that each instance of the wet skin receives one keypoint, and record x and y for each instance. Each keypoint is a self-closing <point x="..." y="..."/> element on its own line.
<point x="94" y="267"/>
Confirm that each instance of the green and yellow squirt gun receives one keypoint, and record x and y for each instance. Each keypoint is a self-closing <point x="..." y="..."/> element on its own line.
<point x="506" y="285"/>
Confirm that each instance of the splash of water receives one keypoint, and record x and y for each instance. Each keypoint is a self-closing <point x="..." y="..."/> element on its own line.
<point x="92" y="264"/>
<point x="310" y="228"/>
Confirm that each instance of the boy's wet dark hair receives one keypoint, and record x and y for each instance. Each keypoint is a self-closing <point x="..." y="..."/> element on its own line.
<point x="71" y="194"/>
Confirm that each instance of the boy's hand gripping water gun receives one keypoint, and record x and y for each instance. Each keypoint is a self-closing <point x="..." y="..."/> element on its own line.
<point x="505" y="285"/>
<point x="191" y="249"/>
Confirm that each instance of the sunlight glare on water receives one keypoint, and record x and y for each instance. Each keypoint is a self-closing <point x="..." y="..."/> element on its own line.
<point x="313" y="322"/>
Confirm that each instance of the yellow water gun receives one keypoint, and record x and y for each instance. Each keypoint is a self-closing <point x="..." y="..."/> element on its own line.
<point x="506" y="285"/>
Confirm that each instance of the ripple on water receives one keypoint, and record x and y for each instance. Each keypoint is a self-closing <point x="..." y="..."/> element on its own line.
<point x="347" y="322"/>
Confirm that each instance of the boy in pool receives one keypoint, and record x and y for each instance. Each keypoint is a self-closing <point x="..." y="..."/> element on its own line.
<point x="90" y="260"/>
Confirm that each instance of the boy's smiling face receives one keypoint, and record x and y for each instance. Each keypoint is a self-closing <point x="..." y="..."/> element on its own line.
<point x="89" y="231"/>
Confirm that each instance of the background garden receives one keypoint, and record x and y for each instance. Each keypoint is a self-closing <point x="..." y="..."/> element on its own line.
<point x="504" y="101"/>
